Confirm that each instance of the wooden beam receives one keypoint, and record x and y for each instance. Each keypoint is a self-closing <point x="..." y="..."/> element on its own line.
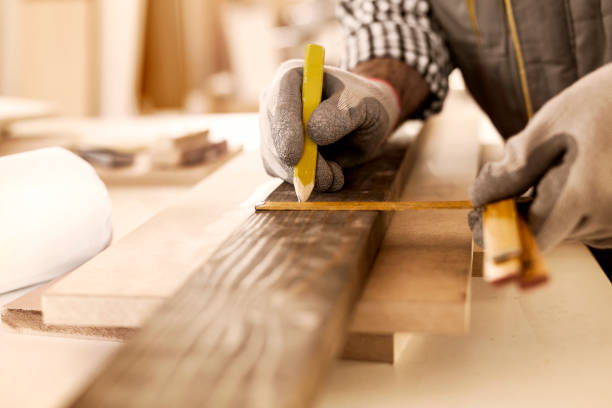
<point x="261" y="320"/>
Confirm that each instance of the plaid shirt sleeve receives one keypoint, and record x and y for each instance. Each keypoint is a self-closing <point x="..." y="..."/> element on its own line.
<point x="400" y="29"/>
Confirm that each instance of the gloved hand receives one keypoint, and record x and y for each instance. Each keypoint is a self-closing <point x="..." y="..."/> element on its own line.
<point x="566" y="153"/>
<point x="350" y="125"/>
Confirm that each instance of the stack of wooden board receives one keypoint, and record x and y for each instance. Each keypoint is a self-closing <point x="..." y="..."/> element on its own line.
<point x="164" y="152"/>
<point x="145" y="149"/>
<point x="426" y="254"/>
<point x="267" y="311"/>
<point x="420" y="281"/>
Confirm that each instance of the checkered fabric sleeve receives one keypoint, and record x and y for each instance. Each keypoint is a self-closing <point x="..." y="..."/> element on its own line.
<point x="400" y="29"/>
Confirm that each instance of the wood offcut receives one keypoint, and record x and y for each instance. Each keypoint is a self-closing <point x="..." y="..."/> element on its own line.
<point x="510" y="248"/>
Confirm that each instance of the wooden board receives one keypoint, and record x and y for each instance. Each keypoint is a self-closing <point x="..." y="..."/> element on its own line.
<point x="389" y="347"/>
<point x="267" y="312"/>
<point x="24" y="315"/>
<point x="421" y="279"/>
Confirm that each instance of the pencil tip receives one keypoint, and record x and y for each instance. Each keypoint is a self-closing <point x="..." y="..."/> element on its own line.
<point x="302" y="191"/>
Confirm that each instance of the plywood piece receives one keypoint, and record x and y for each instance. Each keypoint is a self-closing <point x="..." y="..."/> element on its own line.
<point x="388" y="347"/>
<point x="420" y="281"/>
<point x="124" y="284"/>
<point x="24" y="315"/>
<point x="267" y="312"/>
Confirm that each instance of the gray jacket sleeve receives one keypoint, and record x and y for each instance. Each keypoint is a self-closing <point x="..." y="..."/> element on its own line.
<point x="400" y="29"/>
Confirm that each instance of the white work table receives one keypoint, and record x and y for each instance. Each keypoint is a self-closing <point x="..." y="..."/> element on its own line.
<point x="547" y="347"/>
<point x="551" y="346"/>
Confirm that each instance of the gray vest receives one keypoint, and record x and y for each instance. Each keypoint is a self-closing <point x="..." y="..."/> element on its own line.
<point x="559" y="41"/>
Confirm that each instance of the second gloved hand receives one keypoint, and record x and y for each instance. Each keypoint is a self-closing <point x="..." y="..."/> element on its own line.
<point x="350" y="125"/>
<point x="565" y="152"/>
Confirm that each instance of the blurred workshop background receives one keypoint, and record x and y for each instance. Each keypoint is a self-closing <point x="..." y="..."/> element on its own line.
<point x="112" y="58"/>
<point x="155" y="94"/>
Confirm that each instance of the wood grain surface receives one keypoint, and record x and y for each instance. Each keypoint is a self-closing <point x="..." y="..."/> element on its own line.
<point x="258" y="323"/>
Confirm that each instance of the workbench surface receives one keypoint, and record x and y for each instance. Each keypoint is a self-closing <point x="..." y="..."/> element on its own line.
<point x="548" y="347"/>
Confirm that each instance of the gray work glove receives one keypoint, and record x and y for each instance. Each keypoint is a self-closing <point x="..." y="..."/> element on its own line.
<point x="566" y="154"/>
<point x="350" y="125"/>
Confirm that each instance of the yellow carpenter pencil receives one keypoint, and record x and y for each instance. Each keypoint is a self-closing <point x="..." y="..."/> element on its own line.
<point x="312" y="87"/>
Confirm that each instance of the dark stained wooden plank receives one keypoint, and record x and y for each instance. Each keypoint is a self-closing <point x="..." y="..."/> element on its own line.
<point x="370" y="182"/>
<point x="258" y="324"/>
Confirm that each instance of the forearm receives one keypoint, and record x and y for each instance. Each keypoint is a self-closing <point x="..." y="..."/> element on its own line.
<point x="411" y="88"/>
<point x="400" y="45"/>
